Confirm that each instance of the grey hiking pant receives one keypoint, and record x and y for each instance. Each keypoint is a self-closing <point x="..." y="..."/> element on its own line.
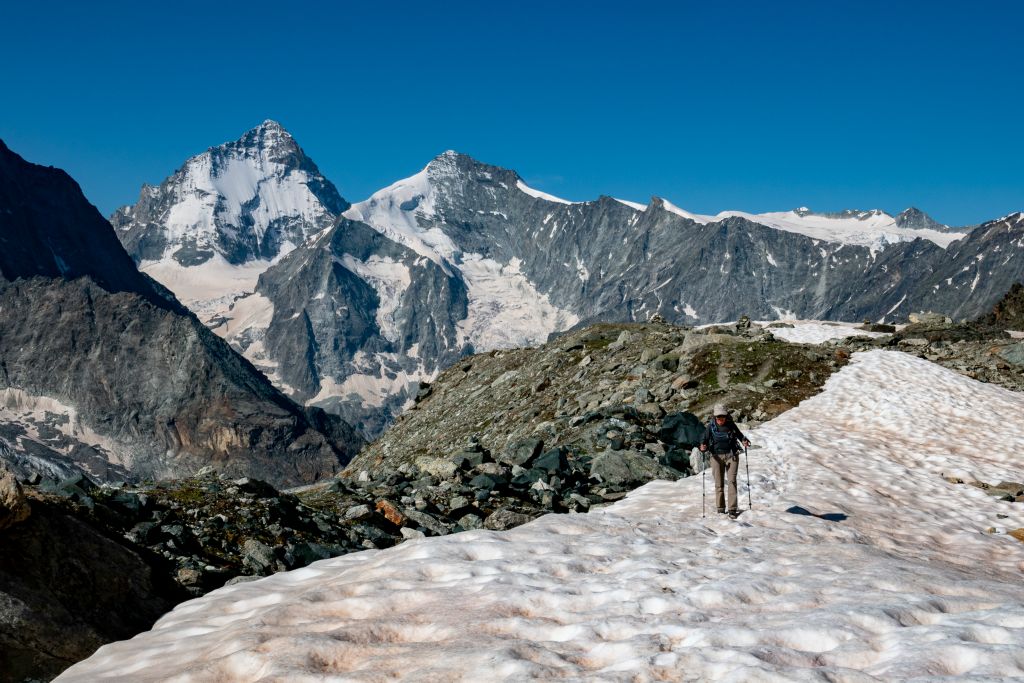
<point x="728" y="464"/>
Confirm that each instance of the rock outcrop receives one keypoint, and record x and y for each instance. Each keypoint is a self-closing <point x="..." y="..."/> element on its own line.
<point x="67" y="588"/>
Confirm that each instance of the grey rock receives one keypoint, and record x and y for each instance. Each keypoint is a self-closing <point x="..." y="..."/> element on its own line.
<point x="503" y="519"/>
<point x="683" y="429"/>
<point x="486" y="482"/>
<point x="1013" y="353"/>
<point x="358" y="512"/>
<point x="929" y="318"/>
<point x="471" y="522"/>
<point x="914" y="342"/>
<point x="628" y="469"/>
<point x="428" y="522"/>
<point x="552" y="461"/>
<point x="521" y="452"/>
<point x="468" y="460"/>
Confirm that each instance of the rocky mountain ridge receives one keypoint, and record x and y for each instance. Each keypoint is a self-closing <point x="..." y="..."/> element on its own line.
<point x="465" y="256"/>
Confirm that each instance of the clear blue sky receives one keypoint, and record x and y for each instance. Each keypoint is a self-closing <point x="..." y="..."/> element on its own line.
<point x="714" y="105"/>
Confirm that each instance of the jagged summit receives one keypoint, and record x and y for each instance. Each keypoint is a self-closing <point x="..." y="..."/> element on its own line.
<point x="916" y="219"/>
<point x="209" y="230"/>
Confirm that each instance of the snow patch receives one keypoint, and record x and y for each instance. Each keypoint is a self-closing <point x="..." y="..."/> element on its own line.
<point x="389" y="279"/>
<point x="505" y="308"/>
<point x="833" y="574"/>
<point x="541" y="195"/>
<point x="209" y="288"/>
<point x="817" y="332"/>
<point x="396" y="212"/>
<point x="872" y="229"/>
<point x="633" y="205"/>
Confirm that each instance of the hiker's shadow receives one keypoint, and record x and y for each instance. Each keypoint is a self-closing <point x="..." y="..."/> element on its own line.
<point x="829" y="517"/>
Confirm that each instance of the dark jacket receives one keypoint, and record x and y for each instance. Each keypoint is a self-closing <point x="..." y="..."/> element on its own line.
<point x="730" y="428"/>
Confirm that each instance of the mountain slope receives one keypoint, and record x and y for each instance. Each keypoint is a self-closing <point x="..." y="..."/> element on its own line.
<point x="102" y="365"/>
<point x="862" y="559"/>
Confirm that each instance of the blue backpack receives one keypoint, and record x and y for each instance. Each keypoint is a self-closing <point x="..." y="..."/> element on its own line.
<point x="723" y="440"/>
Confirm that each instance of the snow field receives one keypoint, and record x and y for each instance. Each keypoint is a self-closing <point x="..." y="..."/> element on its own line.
<point x="817" y="332"/>
<point x="873" y="229"/>
<point x="859" y="562"/>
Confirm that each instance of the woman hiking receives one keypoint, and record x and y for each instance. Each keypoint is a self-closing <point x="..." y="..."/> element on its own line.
<point x="723" y="438"/>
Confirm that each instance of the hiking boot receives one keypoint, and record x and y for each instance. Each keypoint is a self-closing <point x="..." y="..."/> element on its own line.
<point x="734" y="513"/>
<point x="721" y="511"/>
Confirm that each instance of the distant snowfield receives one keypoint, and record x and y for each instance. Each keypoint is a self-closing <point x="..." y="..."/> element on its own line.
<point x="859" y="562"/>
<point x="816" y="331"/>
<point x="873" y="229"/>
<point x="210" y="288"/>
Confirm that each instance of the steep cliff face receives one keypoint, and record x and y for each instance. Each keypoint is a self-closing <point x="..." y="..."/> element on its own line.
<point x="103" y="366"/>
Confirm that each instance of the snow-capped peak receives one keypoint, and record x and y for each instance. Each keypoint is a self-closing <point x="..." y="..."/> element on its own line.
<point x="395" y="211"/>
<point x="238" y="206"/>
<point x="243" y="200"/>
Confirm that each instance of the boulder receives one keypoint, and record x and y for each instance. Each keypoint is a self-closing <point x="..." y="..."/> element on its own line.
<point x="626" y="469"/>
<point x="357" y="512"/>
<point x="439" y="467"/>
<point x="682" y="429"/>
<point x="391" y="512"/>
<point x="521" y="452"/>
<point x="929" y="318"/>
<point x="257" y="556"/>
<point x="256" y="488"/>
<point x="552" y="461"/>
<point x="650" y="410"/>
<point x="428" y="522"/>
<point x="1013" y="353"/>
<point x="678" y="459"/>
<point x="467" y="460"/>
<point x="504" y="518"/>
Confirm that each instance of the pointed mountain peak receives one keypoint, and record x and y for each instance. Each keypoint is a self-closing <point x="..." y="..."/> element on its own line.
<point x="452" y="159"/>
<point x="252" y="199"/>
<point x="269" y="136"/>
<point x="271" y="124"/>
<point x="915" y="219"/>
<point x="451" y="165"/>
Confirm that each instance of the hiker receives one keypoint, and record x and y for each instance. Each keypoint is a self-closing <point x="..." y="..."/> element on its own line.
<point x="723" y="437"/>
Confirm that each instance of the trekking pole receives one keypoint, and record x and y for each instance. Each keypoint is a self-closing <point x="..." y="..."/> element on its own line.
<point x="750" y="505"/>
<point x="703" y="489"/>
